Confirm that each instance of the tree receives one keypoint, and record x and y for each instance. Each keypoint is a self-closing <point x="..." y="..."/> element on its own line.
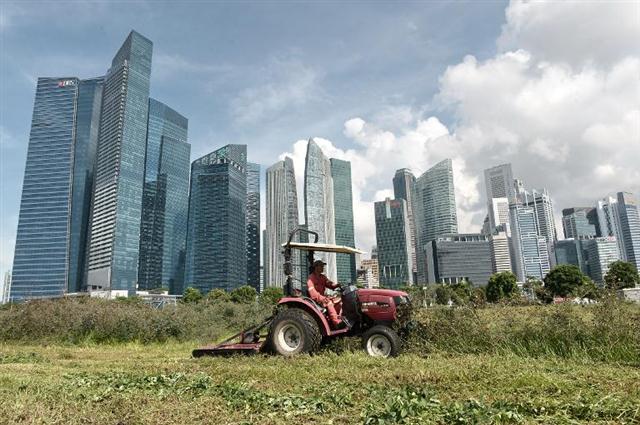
<point x="444" y="294"/>
<point x="271" y="295"/>
<point x="244" y="295"/>
<point x="191" y="295"/>
<point x="621" y="275"/>
<point x="565" y="280"/>
<point x="461" y="292"/>
<point x="218" y="295"/>
<point x="501" y="285"/>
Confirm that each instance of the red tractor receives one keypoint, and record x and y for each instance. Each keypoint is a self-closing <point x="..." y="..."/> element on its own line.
<point x="300" y="325"/>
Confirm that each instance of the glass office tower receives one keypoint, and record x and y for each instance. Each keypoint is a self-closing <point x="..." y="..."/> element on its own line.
<point x="629" y="227"/>
<point x="165" y="200"/>
<point x="119" y="178"/>
<point x="50" y="248"/>
<point x="393" y="239"/>
<point x="253" y="225"/>
<point x="460" y="258"/>
<point x="404" y="187"/>
<point x="343" y="206"/>
<point x="530" y="250"/>
<point x="216" y="233"/>
<point x="435" y="210"/>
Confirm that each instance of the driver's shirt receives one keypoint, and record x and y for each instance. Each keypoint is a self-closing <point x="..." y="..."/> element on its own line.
<point x="317" y="285"/>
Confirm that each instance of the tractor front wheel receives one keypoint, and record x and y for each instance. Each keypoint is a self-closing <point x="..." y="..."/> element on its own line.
<point x="293" y="331"/>
<point x="381" y="341"/>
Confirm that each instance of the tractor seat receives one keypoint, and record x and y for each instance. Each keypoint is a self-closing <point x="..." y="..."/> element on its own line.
<point x="320" y="308"/>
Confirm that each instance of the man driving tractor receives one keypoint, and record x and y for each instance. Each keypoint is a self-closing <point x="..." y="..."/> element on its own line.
<point x="317" y="285"/>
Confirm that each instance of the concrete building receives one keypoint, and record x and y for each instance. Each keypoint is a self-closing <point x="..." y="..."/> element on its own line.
<point x="5" y="288"/>
<point x="456" y="258"/>
<point x="393" y="240"/>
<point x="253" y="225"/>
<point x="530" y="250"/>
<point x="370" y="275"/>
<point x="609" y="221"/>
<point x="435" y="210"/>
<point x="499" y="244"/>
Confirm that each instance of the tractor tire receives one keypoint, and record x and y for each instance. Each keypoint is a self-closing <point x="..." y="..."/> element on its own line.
<point x="381" y="341"/>
<point x="293" y="331"/>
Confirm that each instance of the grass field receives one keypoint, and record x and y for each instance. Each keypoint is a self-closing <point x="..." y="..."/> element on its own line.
<point x="162" y="384"/>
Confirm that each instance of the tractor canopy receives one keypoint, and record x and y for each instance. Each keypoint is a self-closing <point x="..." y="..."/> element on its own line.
<point x="322" y="247"/>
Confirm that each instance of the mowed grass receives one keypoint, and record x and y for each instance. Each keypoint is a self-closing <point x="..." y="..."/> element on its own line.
<point x="162" y="384"/>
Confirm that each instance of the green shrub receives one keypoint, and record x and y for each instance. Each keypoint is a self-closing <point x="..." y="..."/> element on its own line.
<point x="501" y="285"/>
<point x="244" y="295"/>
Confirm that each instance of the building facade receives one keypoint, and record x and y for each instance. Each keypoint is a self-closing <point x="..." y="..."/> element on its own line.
<point x="318" y="202"/>
<point x="598" y="254"/>
<point x="165" y="200"/>
<point x="344" y="229"/>
<point x="579" y="222"/>
<point x="457" y="258"/>
<point x="393" y="239"/>
<point x="435" y="210"/>
<point x="368" y="274"/>
<point x="120" y="164"/>
<point x="404" y="187"/>
<point x="530" y="250"/>
<point x="50" y="250"/>
<point x="216" y="233"/>
<point x="282" y="218"/>
<point x="499" y="244"/>
<point x="253" y="225"/>
<point x="629" y="229"/>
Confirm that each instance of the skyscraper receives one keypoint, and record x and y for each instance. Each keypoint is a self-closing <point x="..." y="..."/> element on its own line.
<point x="216" y="233"/>
<point x="343" y="207"/>
<point x="435" y="210"/>
<point x="542" y="206"/>
<point x="404" y="187"/>
<point x="50" y="252"/>
<point x="609" y="222"/>
<point x="318" y="202"/>
<point x="456" y="258"/>
<point x="579" y="222"/>
<point x="393" y="239"/>
<point x="253" y="225"/>
<point x="119" y="176"/>
<point x="598" y="254"/>
<point x="165" y="200"/>
<point x="499" y="243"/>
<point x="629" y="227"/>
<point x="499" y="183"/>
<point x="282" y="218"/>
<point x="530" y="249"/>
<point x="499" y="215"/>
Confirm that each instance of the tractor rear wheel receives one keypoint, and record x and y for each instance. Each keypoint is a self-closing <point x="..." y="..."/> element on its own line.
<point x="381" y="341"/>
<point x="293" y="331"/>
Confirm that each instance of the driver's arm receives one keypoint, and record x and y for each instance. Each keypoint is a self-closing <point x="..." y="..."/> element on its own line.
<point x="314" y="294"/>
<point x="330" y="284"/>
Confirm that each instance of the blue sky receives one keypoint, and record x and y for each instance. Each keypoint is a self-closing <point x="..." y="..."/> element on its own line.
<point x="269" y="74"/>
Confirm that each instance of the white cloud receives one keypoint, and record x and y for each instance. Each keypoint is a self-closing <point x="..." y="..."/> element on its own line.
<point x="564" y="111"/>
<point x="284" y="83"/>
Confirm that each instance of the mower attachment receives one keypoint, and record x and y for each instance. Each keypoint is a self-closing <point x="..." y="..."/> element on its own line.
<point x="244" y="342"/>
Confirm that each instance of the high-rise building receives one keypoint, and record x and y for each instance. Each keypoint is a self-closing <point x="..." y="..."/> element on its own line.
<point x="629" y="227"/>
<point x="370" y="276"/>
<point x="5" y="287"/>
<point x="529" y="247"/>
<point x="120" y="164"/>
<point x="282" y="218"/>
<point x="609" y="221"/>
<point x="393" y="239"/>
<point x="579" y="222"/>
<point x="569" y="251"/>
<point x="404" y="187"/>
<point x="343" y="207"/>
<point x="435" y="210"/>
<point x="499" y="214"/>
<point x="50" y="251"/>
<point x="216" y="232"/>
<point x="456" y="258"/>
<point x="542" y="206"/>
<point x="318" y="202"/>
<point x="499" y="181"/>
<point x="499" y="244"/>
<point x="165" y="200"/>
<point x="253" y="225"/>
<point x="598" y="254"/>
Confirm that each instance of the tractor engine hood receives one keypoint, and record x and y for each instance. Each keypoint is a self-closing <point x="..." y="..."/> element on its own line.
<point x="383" y="292"/>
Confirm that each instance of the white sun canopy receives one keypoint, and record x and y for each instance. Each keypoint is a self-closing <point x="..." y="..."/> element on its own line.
<point x="323" y="247"/>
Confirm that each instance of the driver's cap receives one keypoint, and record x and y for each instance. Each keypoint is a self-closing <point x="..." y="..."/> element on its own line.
<point x="318" y="262"/>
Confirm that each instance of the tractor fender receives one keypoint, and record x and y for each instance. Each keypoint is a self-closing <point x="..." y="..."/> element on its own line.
<point x="309" y="307"/>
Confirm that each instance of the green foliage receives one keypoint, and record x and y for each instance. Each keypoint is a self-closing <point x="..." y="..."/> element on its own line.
<point x="271" y="295"/>
<point x="565" y="280"/>
<point x="501" y="285"/>
<point x="244" y="295"/>
<point x="217" y="294"/>
<point x="621" y="275"/>
<point x="191" y="295"/>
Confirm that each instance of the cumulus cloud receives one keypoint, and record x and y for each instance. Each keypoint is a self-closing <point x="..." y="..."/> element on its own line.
<point x="557" y="103"/>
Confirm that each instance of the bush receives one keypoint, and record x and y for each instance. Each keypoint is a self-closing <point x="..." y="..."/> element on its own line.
<point x="218" y="294"/>
<point x="271" y="295"/>
<point x="567" y="279"/>
<point x="191" y="295"/>
<point x="244" y="295"/>
<point x="501" y="285"/>
<point x="621" y="275"/>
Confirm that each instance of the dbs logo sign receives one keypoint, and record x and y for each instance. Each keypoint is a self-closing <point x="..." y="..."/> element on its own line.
<point x="65" y="83"/>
